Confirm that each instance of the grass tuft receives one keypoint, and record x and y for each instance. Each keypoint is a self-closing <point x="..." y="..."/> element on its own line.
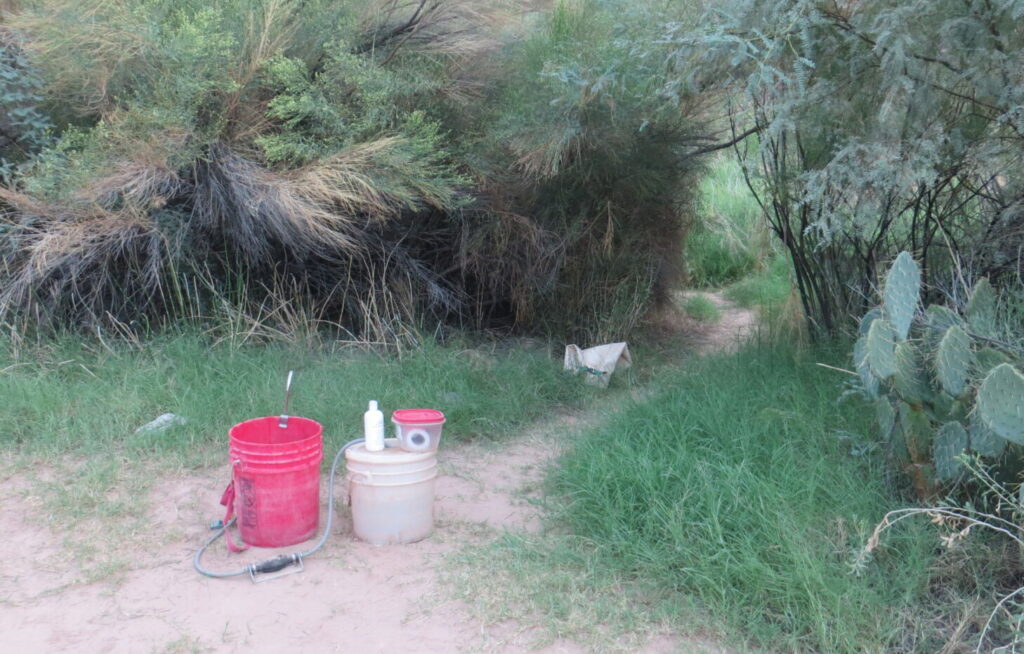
<point x="767" y="289"/>
<point x="702" y="309"/>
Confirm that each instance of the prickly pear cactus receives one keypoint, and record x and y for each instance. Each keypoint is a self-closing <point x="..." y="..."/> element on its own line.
<point x="860" y="361"/>
<point x="984" y="441"/>
<point x="917" y="432"/>
<point x="936" y="322"/>
<point x="880" y="349"/>
<point x="941" y="385"/>
<point x="953" y="361"/>
<point x="981" y="309"/>
<point x="867" y="319"/>
<point x="939" y="318"/>
<point x="910" y="381"/>
<point x="950" y="442"/>
<point x="886" y="416"/>
<point x="902" y="293"/>
<point x="987" y="360"/>
<point x="1001" y="402"/>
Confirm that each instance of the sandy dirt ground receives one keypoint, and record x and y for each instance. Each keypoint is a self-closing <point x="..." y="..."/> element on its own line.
<point x="352" y="597"/>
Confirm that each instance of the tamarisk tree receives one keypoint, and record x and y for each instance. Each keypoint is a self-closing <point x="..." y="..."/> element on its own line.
<point x="883" y="125"/>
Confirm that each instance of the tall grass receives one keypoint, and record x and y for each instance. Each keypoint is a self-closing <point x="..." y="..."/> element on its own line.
<point x="731" y="241"/>
<point x="735" y="485"/>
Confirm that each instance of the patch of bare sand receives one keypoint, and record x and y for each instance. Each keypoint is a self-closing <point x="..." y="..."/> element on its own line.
<point x="352" y="597"/>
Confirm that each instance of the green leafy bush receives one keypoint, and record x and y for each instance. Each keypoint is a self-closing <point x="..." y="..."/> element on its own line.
<point x="184" y="179"/>
<point x="24" y="127"/>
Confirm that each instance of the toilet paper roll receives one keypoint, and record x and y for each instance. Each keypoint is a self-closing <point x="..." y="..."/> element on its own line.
<point x="416" y="440"/>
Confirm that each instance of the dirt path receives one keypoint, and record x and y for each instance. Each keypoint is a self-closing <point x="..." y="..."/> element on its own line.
<point x="352" y="597"/>
<point x="735" y="325"/>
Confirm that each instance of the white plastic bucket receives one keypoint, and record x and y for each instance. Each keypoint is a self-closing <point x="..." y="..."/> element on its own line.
<point x="391" y="493"/>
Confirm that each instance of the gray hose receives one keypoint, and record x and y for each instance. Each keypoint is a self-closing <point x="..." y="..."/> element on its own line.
<point x="284" y="560"/>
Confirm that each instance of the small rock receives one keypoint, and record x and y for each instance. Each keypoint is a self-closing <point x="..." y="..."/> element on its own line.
<point x="452" y="399"/>
<point x="162" y="422"/>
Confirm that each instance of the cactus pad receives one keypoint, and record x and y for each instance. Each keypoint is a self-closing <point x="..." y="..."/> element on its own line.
<point x="865" y="322"/>
<point x="937" y="320"/>
<point x="916" y="431"/>
<point x="880" y="349"/>
<point x="940" y="318"/>
<point x="910" y="381"/>
<point x="898" y="448"/>
<point x="953" y="361"/>
<point x="950" y="442"/>
<point x="860" y="363"/>
<point x="886" y="418"/>
<point x="1001" y="402"/>
<point x="901" y="293"/>
<point x="987" y="359"/>
<point x="981" y="309"/>
<point x="984" y="441"/>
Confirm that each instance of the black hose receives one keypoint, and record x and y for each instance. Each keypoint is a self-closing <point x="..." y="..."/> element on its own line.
<point x="285" y="560"/>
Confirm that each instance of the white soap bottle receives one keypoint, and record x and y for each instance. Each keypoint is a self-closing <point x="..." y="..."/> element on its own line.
<point x="373" y="428"/>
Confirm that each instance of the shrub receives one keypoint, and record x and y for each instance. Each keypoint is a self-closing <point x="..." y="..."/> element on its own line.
<point x="168" y="198"/>
<point x="600" y="170"/>
<point x="883" y="125"/>
<point x="24" y="127"/>
<point x="385" y="164"/>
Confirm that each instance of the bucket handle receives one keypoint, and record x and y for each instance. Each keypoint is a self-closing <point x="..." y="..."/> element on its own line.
<point x="367" y="477"/>
<point x="228" y="500"/>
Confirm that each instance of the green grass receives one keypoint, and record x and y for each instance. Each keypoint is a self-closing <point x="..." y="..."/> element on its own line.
<point x="766" y="288"/>
<point x="71" y="398"/>
<point x="731" y="487"/>
<point x="702" y="309"/>
<point x="730" y="241"/>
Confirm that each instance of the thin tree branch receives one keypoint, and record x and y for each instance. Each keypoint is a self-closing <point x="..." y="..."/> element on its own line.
<point x="728" y="144"/>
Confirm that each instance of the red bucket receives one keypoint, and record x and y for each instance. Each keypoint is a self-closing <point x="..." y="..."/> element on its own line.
<point x="276" y="472"/>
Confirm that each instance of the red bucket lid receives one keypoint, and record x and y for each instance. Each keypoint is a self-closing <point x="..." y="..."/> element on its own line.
<point x="418" y="416"/>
